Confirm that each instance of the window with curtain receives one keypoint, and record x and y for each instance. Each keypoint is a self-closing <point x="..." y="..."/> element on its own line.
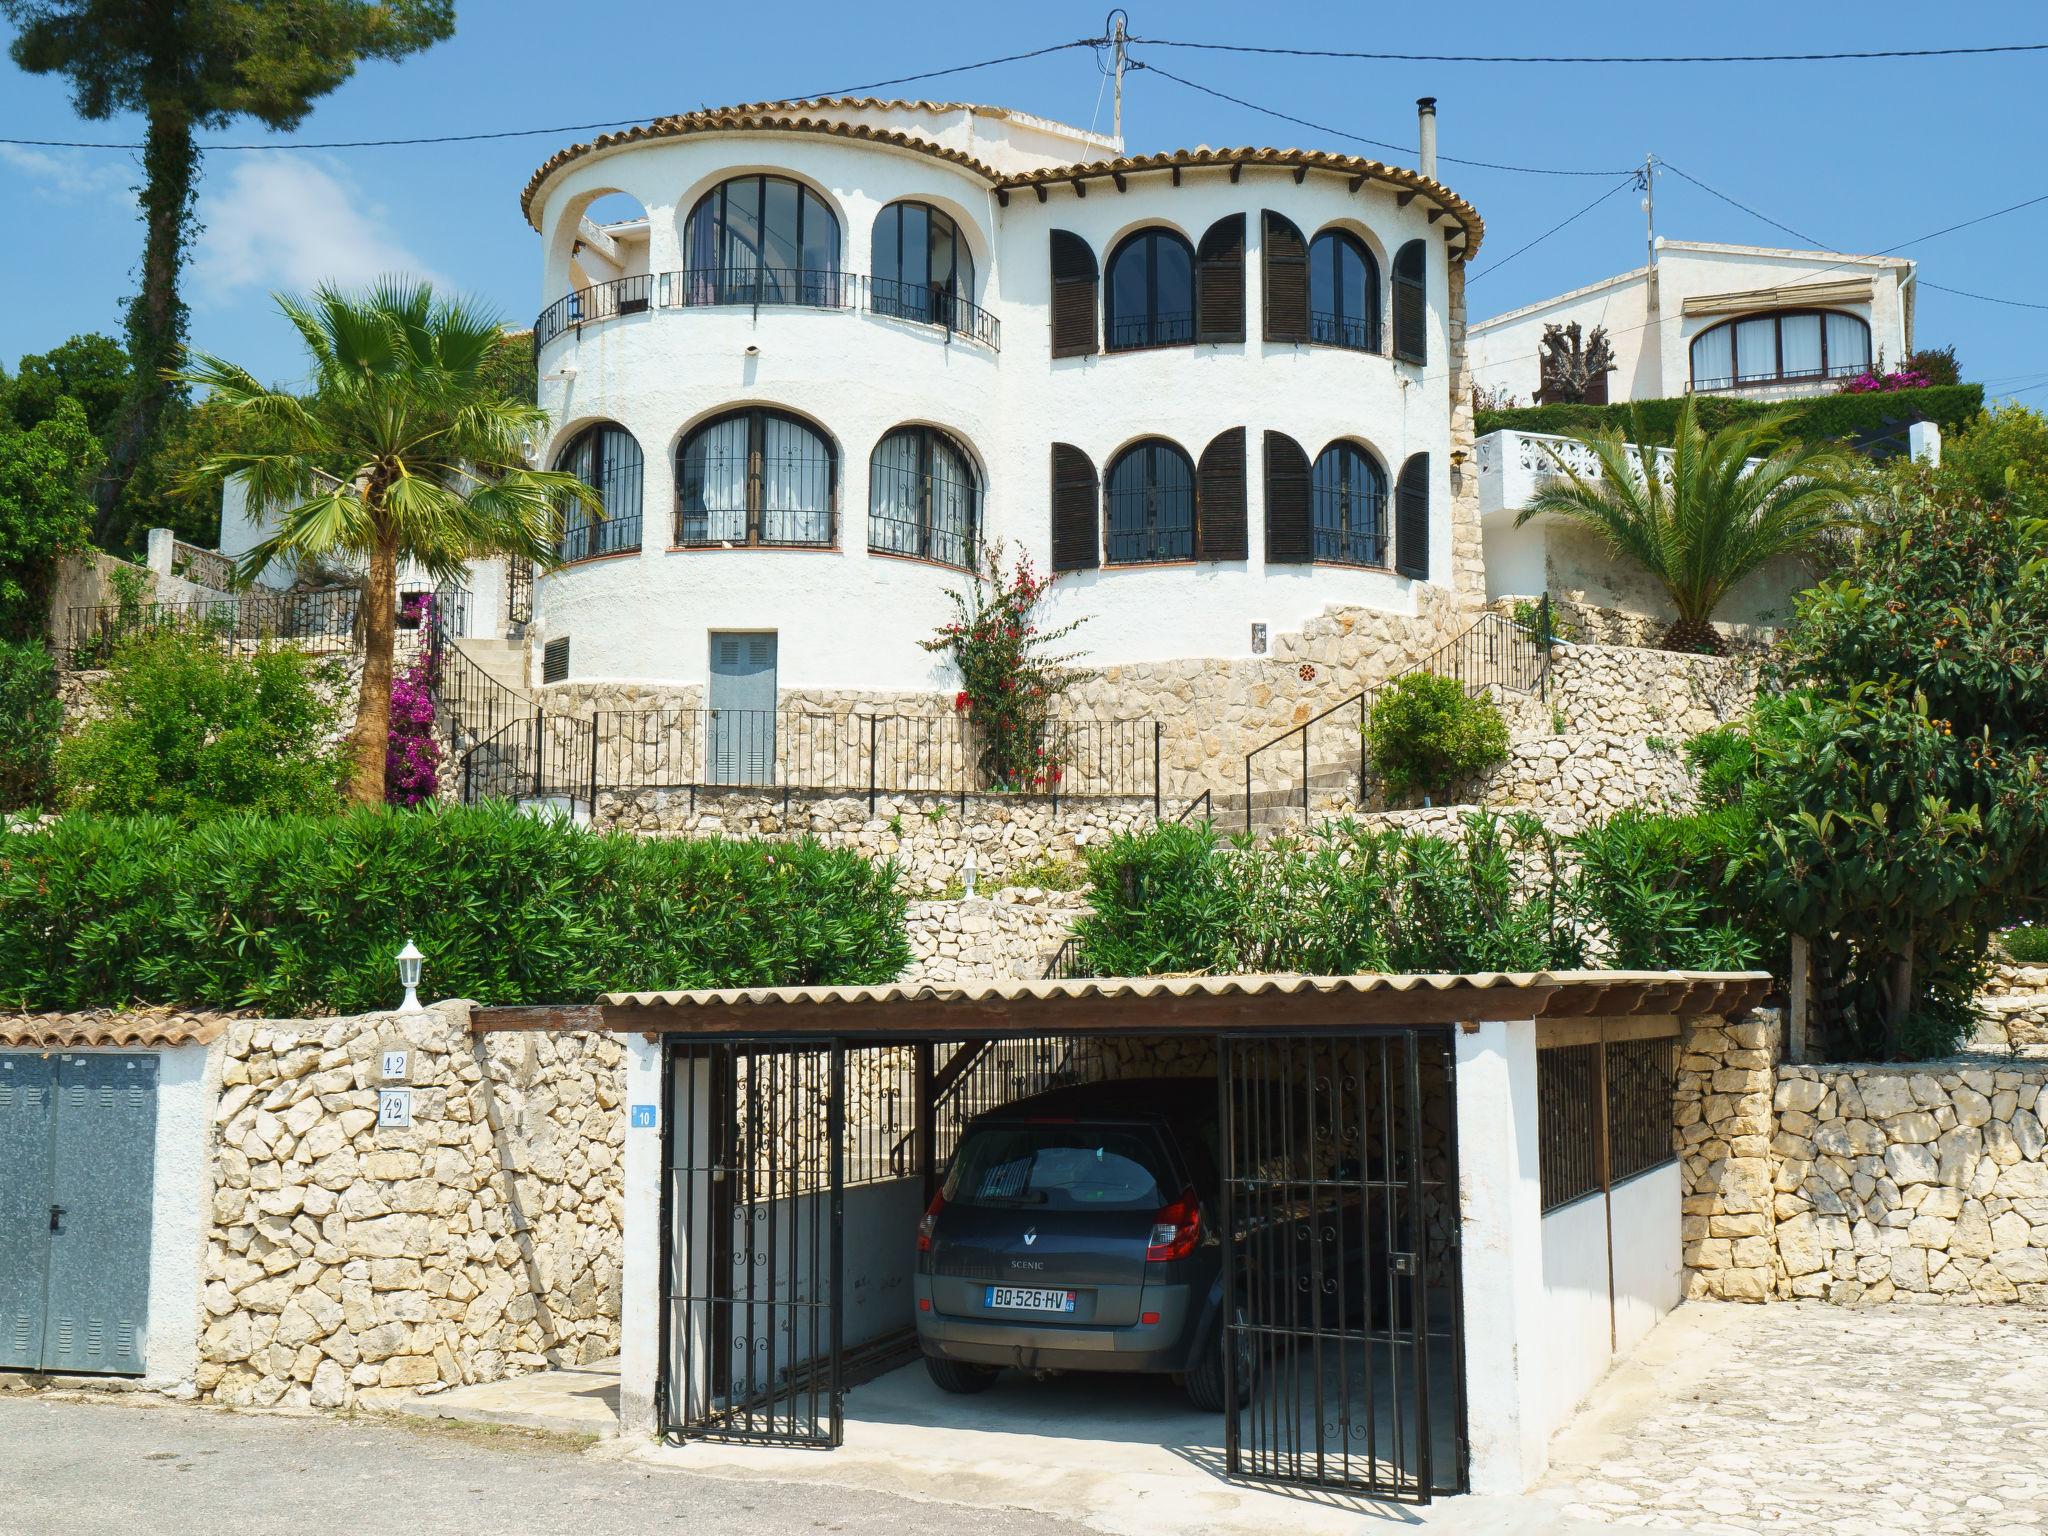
<point x="924" y="497"/>
<point x="1343" y="292"/>
<point x="1151" y="292"/>
<point x="1348" y="490"/>
<point x="1785" y="346"/>
<point x="605" y="457"/>
<point x="755" y="477"/>
<point x="762" y="240"/>
<point x="923" y="267"/>
<point x="1149" y="504"/>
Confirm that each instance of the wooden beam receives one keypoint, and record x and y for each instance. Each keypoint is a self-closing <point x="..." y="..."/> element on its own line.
<point x="1435" y="214"/>
<point x="1080" y="187"/>
<point x="1236" y="171"/>
<point x="542" y="1016"/>
<point x="1039" y="188"/>
<point x="1359" y="180"/>
<point x="1118" y="178"/>
<point x="1403" y="199"/>
<point x="1300" y="174"/>
<point x="1002" y="198"/>
<point x="1176" y="175"/>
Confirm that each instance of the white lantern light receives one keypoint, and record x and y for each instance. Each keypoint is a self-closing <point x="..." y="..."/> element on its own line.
<point x="409" y="959"/>
<point x="967" y="874"/>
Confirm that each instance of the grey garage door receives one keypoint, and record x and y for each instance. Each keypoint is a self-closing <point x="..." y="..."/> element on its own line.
<point x="77" y="1166"/>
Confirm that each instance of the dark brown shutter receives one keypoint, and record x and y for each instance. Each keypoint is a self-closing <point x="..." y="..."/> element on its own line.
<point x="1219" y="285"/>
<point x="1219" y="508"/>
<point x="1411" y="302"/>
<point x="1289" y="536"/>
<point x="1411" y="518"/>
<point x="1075" y="543"/>
<point x="1073" y="295"/>
<point x="1284" y="255"/>
<point x="554" y="660"/>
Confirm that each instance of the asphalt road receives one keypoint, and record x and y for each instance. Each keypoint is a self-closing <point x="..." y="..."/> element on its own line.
<point x="125" y="1467"/>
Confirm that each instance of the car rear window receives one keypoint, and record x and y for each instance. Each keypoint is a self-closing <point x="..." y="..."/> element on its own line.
<point x="1059" y="1167"/>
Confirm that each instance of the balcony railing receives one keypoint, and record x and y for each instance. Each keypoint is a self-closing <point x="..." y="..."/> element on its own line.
<point x="1353" y="332"/>
<point x="1778" y="380"/>
<point x="767" y="287"/>
<point x="777" y="528"/>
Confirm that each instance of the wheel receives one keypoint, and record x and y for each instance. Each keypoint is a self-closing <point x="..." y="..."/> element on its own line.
<point x="1205" y="1375"/>
<point x="958" y="1375"/>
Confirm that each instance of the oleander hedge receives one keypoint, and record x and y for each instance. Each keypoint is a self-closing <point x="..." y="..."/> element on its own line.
<point x="304" y="914"/>
<point x="1950" y="406"/>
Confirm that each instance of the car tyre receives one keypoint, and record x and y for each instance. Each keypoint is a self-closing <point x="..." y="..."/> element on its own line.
<point x="1205" y="1376"/>
<point x="958" y="1375"/>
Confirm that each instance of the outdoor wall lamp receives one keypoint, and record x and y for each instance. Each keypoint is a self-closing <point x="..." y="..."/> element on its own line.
<point x="409" y="959"/>
<point x="967" y="872"/>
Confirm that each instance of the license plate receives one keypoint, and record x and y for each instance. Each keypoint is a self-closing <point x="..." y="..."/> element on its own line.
<point x="1014" y="1298"/>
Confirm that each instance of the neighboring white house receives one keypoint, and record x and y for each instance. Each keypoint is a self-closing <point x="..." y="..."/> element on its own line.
<point x="848" y="343"/>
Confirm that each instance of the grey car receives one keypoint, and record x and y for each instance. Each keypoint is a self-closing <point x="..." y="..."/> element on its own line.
<point x="1076" y="1231"/>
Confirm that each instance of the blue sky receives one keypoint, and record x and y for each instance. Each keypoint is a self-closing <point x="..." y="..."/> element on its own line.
<point x="1862" y="155"/>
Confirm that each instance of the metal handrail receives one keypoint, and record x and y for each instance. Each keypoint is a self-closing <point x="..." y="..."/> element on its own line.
<point x="1202" y="800"/>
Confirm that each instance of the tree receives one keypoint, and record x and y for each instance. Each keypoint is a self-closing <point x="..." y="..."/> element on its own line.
<point x="91" y="369"/>
<point x="44" y="509"/>
<point x="405" y="449"/>
<point x="186" y="65"/>
<point x="1706" y="518"/>
<point x="1575" y="370"/>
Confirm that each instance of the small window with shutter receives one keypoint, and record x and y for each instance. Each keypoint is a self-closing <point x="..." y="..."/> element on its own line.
<point x="1075" y="544"/>
<point x="1284" y="257"/>
<point x="1411" y="302"/>
<point x="1411" y="518"/>
<point x="1073" y="295"/>
<point x="1220" y="499"/>
<point x="1219" y="282"/>
<point x="1290" y="535"/>
<point x="554" y="660"/>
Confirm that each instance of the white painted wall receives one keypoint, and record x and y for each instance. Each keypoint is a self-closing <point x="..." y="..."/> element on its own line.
<point x="1653" y="361"/>
<point x="1649" y="1267"/>
<point x="640" y="1319"/>
<point x="188" y="1082"/>
<point x="850" y="619"/>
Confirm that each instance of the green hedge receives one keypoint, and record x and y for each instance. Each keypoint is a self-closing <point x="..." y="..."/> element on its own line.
<point x="297" y="915"/>
<point x="1950" y="406"/>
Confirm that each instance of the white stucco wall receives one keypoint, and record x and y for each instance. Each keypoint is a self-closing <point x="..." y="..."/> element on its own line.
<point x="640" y="1319"/>
<point x="1654" y="361"/>
<point x="188" y="1082"/>
<point x="847" y="618"/>
<point x="1649" y="1268"/>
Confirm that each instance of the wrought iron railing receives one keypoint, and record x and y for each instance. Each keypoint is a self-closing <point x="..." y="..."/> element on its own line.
<point x="769" y="287"/>
<point x="1163" y="330"/>
<point x="922" y="540"/>
<point x="1494" y="655"/>
<point x="323" y="620"/>
<point x="778" y="527"/>
<point x="590" y="537"/>
<point x="1354" y="332"/>
<point x="519" y="591"/>
<point x="1067" y="963"/>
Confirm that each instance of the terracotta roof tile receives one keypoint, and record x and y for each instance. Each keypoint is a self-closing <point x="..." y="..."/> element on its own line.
<point x="131" y="1029"/>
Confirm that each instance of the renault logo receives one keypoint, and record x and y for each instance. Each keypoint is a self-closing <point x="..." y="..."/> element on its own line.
<point x="1030" y="1236"/>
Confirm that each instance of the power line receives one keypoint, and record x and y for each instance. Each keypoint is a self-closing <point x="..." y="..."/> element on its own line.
<point x="1399" y="149"/>
<point x="526" y="133"/>
<point x="1632" y="180"/>
<point x="1595" y="58"/>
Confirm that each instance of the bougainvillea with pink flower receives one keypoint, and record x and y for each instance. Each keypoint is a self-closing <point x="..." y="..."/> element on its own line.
<point x="1011" y="673"/>
<point x="412" y="758"/>
<point x="1871" y="382"/>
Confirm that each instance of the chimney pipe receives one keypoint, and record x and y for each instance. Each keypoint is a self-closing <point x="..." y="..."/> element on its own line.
<point x="1425" y="119"/>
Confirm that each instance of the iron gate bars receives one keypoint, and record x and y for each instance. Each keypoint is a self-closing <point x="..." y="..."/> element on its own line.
<point x="1341" y="1305"/>
<point x="754" y="1190"/>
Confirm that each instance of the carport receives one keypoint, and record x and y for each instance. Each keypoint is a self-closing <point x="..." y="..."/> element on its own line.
<point x="1380" y="1149"/>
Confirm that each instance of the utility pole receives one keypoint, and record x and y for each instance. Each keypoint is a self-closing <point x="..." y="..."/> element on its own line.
<point x="1650" y="206"/>
<point x="1115" y="24"/>
<point x="1652" y="299"/>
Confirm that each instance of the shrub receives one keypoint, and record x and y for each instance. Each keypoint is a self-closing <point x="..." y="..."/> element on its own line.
<point x="1825" y="416"/>
<point x="2025" y="946"/>
<point x="29" y="719"/>
<point x="1668" y="892"/>
<point x="184" y="729"/>
<point x="303" y="914"/>
<point x="1427" y="735"/>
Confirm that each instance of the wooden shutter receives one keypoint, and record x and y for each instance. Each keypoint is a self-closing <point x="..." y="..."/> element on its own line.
<point x="1411" y="302"/>
<point x="1285" y="259"/>
<point x="1219" y="286"/>
<point x="1073" y="295"/>
<point x="1411" y="518"/>
<point x="1075" y="543"/>
<point x="1290" y="539"/>
<point x="1220" y="501"/>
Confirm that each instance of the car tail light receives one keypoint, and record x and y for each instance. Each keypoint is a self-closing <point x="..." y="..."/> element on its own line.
<point x="928" y="1221"/>
<point x="1149" y="1319"/>
<point x="1175" y="1230"/>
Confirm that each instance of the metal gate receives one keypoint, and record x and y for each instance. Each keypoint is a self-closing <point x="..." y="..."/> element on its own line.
<point x="77" y="1170"/>
<point x="1342" y="1308"/>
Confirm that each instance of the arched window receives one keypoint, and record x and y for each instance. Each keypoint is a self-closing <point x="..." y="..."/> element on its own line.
<point x="1785" y="346"/>
<point x="924" y="497"/>
<point x="1151" y="292"/>
<point x="762" y="240"/>
<point x="756" y="477"/>
<point x="1348" y="489"/>
<point x="1343" y="292"/>
<point x="923" y="267"/>
<point x="1149" y="497"/>
<point x="605" y="457"/>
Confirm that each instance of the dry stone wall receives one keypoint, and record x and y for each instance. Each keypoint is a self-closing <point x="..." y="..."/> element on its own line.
<point x="2012" y="1011"/>
<point x="1924" y="1183"/>
<point x="481" y="1241"/>
<point x="1008" y="933"/>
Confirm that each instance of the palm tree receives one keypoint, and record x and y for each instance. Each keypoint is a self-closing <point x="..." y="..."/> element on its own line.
<point x="1707" y="517"/>
<point x="404" y="449"/>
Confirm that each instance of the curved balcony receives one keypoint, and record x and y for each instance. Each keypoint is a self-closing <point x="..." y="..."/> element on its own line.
<point x="766" y="288"/>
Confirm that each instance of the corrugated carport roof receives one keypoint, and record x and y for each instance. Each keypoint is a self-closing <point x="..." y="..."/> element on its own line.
<point x="1148" y="1004"/>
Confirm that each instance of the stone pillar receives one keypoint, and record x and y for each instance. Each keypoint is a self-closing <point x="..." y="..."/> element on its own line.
<point x="163" y="544"/>
<point x="1723" y="1113"/>
<point x="1468" y="552"/>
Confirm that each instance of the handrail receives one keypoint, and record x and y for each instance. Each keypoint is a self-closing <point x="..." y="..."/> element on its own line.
<point x="1203" y="800"/>
<point x="1490" y="636"/>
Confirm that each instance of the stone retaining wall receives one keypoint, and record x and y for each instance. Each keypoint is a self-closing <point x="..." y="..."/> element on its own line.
<point x="480" y="1242"/>
<point x="1923" y="1183"/>
<point x="1008" y="933"/>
